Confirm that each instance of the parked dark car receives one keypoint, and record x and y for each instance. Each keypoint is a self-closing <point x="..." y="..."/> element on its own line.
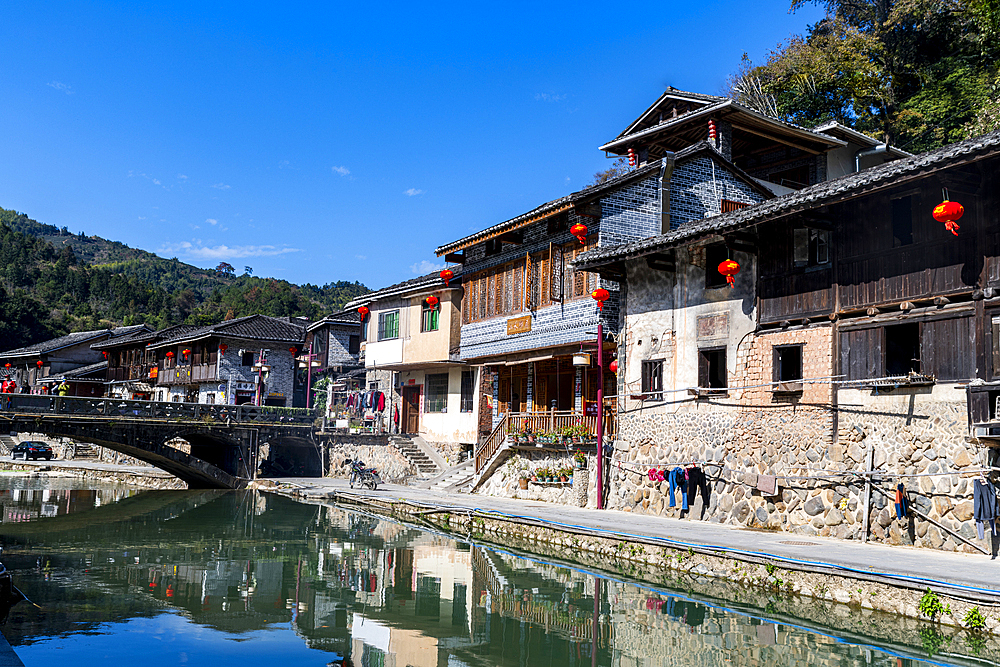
<point x="31" y="450"/>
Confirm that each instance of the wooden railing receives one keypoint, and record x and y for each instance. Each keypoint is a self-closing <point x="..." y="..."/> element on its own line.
<point x="542" y="422"/>
<point x="149" y="410"/>
<point x="491" y="444"/>
<point x="187" y="374"/>
<point x="123" y="373"/>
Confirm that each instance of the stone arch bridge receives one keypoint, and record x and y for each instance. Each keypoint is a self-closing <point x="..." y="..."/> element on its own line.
<point x="224" y="442"/>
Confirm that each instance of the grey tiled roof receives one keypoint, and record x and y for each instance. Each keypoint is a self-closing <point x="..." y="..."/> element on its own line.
<point x="846" y="187"/>
<point x="572" y="198"/>
<point x="251" y="327"/>
<point x="78" y="373"/>
<point x="429" y="281"/>
<point x="348" y="317"/>
<point x="68" y="340"/>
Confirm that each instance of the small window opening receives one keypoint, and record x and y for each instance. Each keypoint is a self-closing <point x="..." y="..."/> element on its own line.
<point x="811" y="247"/>
<point x="652" y="376"/>
<point x="902" y="221"/>
<point x="902" y="349"/>
<point x="246" y="359"/>
<point x="712" y="369"/>
<point x="788" y="363"/>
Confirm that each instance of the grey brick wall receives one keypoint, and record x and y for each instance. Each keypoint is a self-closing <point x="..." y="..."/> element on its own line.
<point x="338" y="352"/>
<point x="695" y="194"/>
<point x="631" y="213"/>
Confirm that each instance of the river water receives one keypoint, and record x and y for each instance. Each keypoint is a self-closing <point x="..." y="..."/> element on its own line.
<point x="120" y="576"/>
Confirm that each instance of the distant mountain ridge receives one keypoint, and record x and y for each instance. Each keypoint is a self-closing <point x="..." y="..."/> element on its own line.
<point x="74" y="282"/>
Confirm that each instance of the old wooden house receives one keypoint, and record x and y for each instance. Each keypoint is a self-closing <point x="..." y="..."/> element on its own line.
<point x="860" y="335"/>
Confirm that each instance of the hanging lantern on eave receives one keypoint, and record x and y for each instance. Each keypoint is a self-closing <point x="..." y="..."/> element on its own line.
<point x="222" y="348"/>
<point x="631" y="157"/>
<point x="729" y="268"/>
<point x="949" y="212"/>
<point x="447" y="275"/>
<point x="613" y="366"/>
<point x="363" y="311"/>
<point x="579" y="230"/>
<point x="38" y="363"/>
<point x="431" y="301"/>
<point x="600" y="295"/>
<point x="293" y="351"/>
<point x="170" y="354"/>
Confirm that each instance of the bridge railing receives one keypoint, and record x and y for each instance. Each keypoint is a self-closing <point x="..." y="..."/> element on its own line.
<point x="119" y="408"/>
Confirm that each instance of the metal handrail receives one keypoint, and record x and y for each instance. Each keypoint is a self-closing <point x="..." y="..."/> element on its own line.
<point x="145" y="410"/>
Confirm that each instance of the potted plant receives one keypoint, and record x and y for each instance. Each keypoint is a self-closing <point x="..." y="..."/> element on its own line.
<point x="579" y="459"/>
<point x="522" y="480"/>
<point x="563" y="474"/>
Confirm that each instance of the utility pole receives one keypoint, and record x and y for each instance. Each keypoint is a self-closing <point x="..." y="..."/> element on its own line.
<point x="600" y="414"/>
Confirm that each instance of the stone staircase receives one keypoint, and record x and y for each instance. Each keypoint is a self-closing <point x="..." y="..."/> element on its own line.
<point x="6" y="444"/>
<point x="457" y="478"/>
<point x="416" y="452"/>
<point x="82" y="451"/>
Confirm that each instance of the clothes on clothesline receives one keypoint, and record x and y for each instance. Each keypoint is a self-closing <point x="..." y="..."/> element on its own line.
<point x="371" y="400"/>
<point x="697" y="482"/>
<point x="984" y="506"/>
<point x="678" y="480"/>
<point x="902" y="502"/>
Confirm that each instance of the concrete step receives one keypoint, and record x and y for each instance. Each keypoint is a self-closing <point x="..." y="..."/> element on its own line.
<point x="456" y="478"/>
<point x="425" y="466"/>
<point x="6" y="444"/>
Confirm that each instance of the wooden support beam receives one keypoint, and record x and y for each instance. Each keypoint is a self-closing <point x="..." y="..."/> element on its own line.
<point x="516" y="238"/>
<point x="455" y="257"/>
<point x="780" y="140"/>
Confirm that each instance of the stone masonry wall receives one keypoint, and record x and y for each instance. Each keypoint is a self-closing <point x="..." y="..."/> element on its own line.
<point x="802" y="439"/>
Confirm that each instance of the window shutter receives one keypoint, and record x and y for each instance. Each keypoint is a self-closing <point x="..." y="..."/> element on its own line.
<point x="555" y="272"/>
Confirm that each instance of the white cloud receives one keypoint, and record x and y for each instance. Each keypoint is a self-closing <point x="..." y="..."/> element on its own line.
<point x="425" y="267"/>
<point x="343" y="171"/>
<point x="211" y="221"/>
<point x="181" y="177"/>
<point x="58" y="85"/>
<point x="361" y="257"/>
<point x="284" y="164"/>
<point x="156" y="181"/>
<point x="549" y="97"/>
<point x="221" y="186"/>
<point x="222" y="252"/>
<point x="412" y="192"/>
<point x="142" y="217"/>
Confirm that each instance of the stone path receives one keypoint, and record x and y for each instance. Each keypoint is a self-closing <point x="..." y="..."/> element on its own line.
<point x="952" y="570"/>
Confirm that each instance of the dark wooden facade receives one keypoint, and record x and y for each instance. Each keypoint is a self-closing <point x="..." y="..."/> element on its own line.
<point x="907" y="296"/>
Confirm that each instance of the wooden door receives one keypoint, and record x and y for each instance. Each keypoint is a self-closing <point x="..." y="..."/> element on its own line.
<point x="411" y="409"/>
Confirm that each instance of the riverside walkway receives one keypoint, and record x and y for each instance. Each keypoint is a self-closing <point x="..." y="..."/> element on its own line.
<point x="970" y="577"/>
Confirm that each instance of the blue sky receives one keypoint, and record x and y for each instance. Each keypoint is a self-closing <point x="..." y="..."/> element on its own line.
<point x="319" y="142"/>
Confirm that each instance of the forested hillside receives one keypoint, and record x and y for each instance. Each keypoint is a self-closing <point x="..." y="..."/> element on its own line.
<point x="47" y="289"/>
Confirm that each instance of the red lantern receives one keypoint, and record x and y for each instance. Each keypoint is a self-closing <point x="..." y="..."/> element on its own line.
<point x="170" y="354"/>
<point x="39" y="363"/>
<point x="631" y="157"/>
<point x="613" y="366"/>
<point x="7" y="365"/>
<point x="729" y="268"/>
<point x="223" y="347"/>
<point x="447" y="275"/>
<point x="292" y="350"/>
<point x="186" y="352"/>
<point x="600" y="295"/>
<point x="948" y="212"/>
<point x="579" y="230"/>
<point x="711" y="131"/>
<point x="363" y="311"/>
<point x="431" y="301"/>
<point x="105" y="353"/>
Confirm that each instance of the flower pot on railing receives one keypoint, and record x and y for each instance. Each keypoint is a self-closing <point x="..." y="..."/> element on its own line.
<point x="523" y="482"/>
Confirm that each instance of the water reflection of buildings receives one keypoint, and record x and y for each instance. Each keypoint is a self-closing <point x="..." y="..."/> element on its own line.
<point x="370" y="593"/>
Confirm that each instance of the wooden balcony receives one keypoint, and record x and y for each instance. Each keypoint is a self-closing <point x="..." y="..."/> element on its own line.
<point x="187" y="374"/>
<point x="983" y="401"/>
<point x="551" y="421"/>
<point x="139" y="373"/>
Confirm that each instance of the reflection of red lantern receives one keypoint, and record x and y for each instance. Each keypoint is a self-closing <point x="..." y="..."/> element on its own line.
<point x="948" y="212"/>
<point x="38" y="363"/>
<point x="579" y="230"/>
<point x="223" y="347"/>
<point x="613" y="366"/>
<point x="447" y="275"/>
<point x="431" y="301"/>
<point x="729" y="268"/>
<point x="600" y="295"/>
<point x="363" y="311"/>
